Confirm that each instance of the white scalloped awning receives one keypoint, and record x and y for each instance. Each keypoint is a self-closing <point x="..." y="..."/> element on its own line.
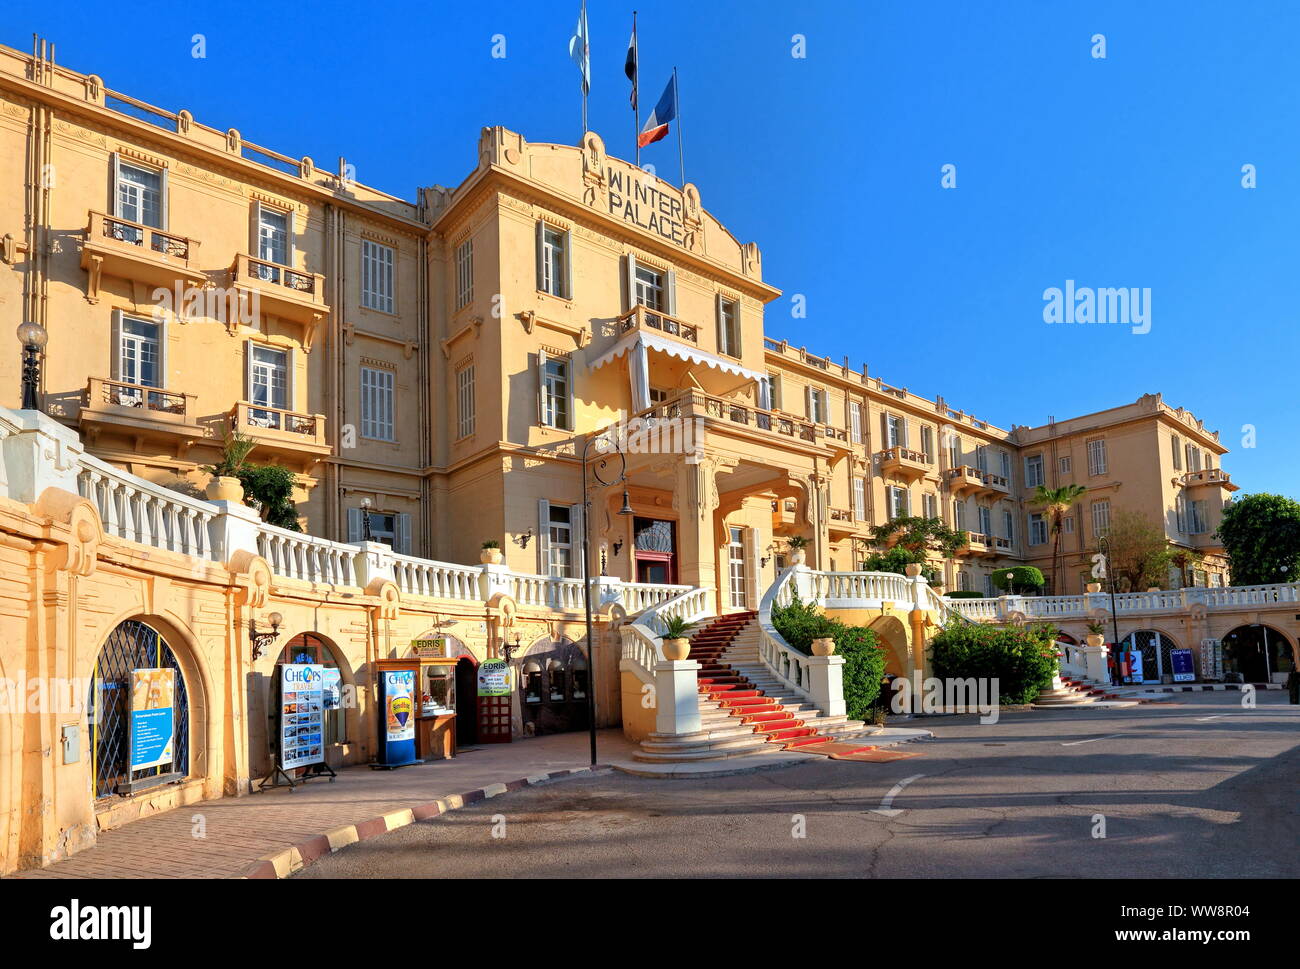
<point x="674" y="348"/>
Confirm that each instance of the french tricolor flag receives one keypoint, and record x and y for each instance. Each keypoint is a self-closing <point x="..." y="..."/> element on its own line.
<point x="656" y="126"/>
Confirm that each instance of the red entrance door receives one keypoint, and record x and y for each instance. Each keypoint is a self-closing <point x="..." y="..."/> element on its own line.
<point x="656" y="567"/>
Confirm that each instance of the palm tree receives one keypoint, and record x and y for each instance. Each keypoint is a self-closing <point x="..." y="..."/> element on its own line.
<point x="1055" y="502"/>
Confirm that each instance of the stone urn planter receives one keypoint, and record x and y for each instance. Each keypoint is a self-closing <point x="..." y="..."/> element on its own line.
<point x="677" y="649"/>
<point x="491" y="556"/>
<point x="913" y="569"/>
<point x="798" y="556"/>
<point x="1096" y="639"/>
<point x="1094" y="587"/>
<point x="222" y="488"/>
<point x="824" y="646"/>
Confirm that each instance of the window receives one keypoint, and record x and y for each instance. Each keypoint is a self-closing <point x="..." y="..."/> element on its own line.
<point x="736" y="567"/>
<point x="855" y="422"/>
<point x="555" y="390"/>
<point x="930" y="506"/>
<point x="268" y="383"/>
<point x="954" y="449"/>
<point x="988" y="585"/>
<point x="774" y="382"/>
<point x="1067" y="524"/>
<point x="1100" y="517"/>
<point x="1097" y="456"/>
<point x="1176" y="444"/>
<point x="376" y="276"/>
<point x="377" y="403"/>
<point x="560" y="541"/>
<point x="1004" y="464"/>
<point x="986" y="519"/>
<point x="465" y="401"/>
<point x="982" y="458"/>
<point x="553" y="274"/>
<point x="1037" y="529"/>
<point x="895" y="431"/>
<point x="1033" y="470"/>
<point x="860" y="498"/>
<point x="465" y="273"/>
<point x="927" y="442"/>
<point x="898" y="503"/>
<point x="650" y="288"/>
<point x="1209" y="460"/>
<point x="1066" y="464"/>
<point x="390" y="528"/>
<point x="1193" y="457"/>
<point x="1180" y="512"/>
<point x="138" y="196"/>
<point x="963" y="581"/>
<point x="272" y="240"/>
<point x="959" y="515"/>
<point x="818" y="405"/>
<point x="728" y="327"/>
<point x="1198" y="523"/>
<point x="1009" y="527"/>
<point x="139" y="354"/>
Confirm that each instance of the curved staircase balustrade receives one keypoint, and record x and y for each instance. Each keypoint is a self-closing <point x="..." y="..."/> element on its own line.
<point x="642" y="635"/>
<point x="785" y="662"/>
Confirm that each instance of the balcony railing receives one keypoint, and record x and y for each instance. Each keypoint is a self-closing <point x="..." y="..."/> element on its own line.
<point x="1210" y="476"/>
<point x="276" y="426"/>
<point x="640" y="317"/>
<point x="903" y="461"/>
<point x="118" y="393"/>
<point x="289" y="293"/>
<point x="697" y="404"/>
<point x="250" y="267"/>
<point x="146" y="237"/>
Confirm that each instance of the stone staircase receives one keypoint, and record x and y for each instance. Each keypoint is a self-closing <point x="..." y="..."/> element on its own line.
<point x="744" y="709"/>
<point x="1076" y="691"/>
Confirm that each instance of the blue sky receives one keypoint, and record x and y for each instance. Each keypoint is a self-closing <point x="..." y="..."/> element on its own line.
<point x="1122" y="172"/>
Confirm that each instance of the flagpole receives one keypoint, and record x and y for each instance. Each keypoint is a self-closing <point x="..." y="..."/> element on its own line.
<point x="677" y="99"/>
<point x="636" y="94"/>
<point x="586" y="44"/>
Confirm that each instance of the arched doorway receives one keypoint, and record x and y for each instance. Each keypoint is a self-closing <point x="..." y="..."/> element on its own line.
<point x="553" y="684"/>
<point x="119" y="685"/>
<point x="466" y="701"/>
<point x="1154" y="647"/>
<point x="340" y="720"/>
<point x="1257" y="652"/>
<point x="892" y="634"/>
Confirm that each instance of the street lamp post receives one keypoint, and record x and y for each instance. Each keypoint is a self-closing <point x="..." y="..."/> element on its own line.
<point x="32" y="336"/>
<point x="365" y="521"/>
<point x="1103" y="545"/>
<point x="603" y="463"/>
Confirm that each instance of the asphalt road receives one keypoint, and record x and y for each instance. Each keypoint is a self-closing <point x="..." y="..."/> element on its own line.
<point x="1195" y="787"/>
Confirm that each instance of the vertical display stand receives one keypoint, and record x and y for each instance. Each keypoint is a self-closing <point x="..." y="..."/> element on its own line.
<point x="397" y="684"/>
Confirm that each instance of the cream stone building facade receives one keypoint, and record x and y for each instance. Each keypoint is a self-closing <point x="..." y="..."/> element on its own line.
<point x="447" y="361"/>
<point x="444" y="360"/>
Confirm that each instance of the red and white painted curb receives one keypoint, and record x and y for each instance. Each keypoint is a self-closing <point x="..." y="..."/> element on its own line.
<point x="288" y="861"/>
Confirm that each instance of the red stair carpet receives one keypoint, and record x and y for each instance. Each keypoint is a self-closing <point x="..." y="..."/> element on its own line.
<point x="736" y="694"/>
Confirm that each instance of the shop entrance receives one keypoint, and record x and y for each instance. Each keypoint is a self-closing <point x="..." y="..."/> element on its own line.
<point x="553" y="688"/>
<point x="655" y="550"/>
<point x="1256" y="652"/>
<point x="466" y="702"/>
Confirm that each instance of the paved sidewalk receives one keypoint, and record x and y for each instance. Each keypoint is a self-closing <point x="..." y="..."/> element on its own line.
<point x="244" y="832"/>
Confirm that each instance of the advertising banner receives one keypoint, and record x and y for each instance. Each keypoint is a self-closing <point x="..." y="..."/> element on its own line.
<point x="1184" y="669"/>
<point x="302" y="714"/>
<point x="494" y="678"/>
<point x="399" y="696"/>
<point x="153" y="719"/>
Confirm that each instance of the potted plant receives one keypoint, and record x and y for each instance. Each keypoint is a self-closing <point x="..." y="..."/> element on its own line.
<point x="912" y="569"/>
<point x="224" y="485"/>
<point x="676" y="645"/>
<point x="491" y="554"/>
<point x="1096" y="633"/>
<point x="797" y="544"/>
<point x="823" y="641"/>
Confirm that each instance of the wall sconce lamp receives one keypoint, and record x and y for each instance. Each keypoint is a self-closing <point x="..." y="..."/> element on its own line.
<point x="618" y="547"/>
<point x="263" y="640"/>
<point x="523" y="540"/>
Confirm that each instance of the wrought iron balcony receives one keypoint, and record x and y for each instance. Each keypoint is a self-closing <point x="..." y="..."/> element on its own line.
<point x="281" y="431"/>
<point x="902" y="462"/>
<point x="138" y="410"/>
<point x="131" y="250"/>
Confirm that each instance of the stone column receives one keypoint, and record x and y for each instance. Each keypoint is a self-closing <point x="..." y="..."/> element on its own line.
<point x="677" y="697"/>
<point x="826" y="684"/>
<point x="697" y="544"/>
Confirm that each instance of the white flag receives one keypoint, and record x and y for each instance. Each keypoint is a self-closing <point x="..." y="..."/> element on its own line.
<point x="580" y="50"/>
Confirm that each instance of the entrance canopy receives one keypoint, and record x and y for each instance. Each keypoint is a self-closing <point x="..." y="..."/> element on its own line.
<point x="637" y="345"/>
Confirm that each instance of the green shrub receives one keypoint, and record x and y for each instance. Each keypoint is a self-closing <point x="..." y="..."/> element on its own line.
<point x="1023" y="578"/>
<point x="270" y="488"/>
<point x="1021" y="659"/>
<point x="800" y="623"/>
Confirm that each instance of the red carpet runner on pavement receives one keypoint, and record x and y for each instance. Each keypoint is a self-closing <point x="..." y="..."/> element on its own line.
<point x="739" y="697"/>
